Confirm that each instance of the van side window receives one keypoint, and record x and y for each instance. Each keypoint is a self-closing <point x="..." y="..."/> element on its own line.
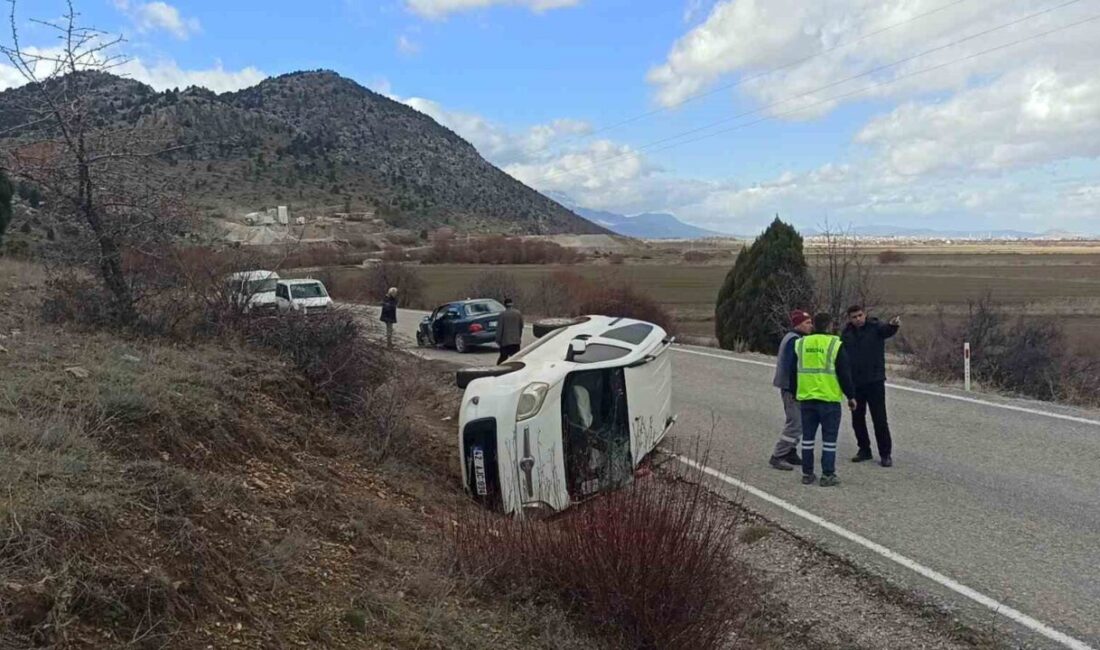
<point x="633" y="334"/>
<point x="597" y="352"/>
<point x="281" y="292"/>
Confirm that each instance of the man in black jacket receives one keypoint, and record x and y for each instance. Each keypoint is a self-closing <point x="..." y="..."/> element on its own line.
<point x="865" y="341"/>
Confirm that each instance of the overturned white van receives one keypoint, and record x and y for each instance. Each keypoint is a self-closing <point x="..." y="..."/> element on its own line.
<point x="569" y="416"/>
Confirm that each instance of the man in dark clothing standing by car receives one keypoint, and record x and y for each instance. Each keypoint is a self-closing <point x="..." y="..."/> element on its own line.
<point x="865" y="340"/>
<point x="785" y="457"/>
<point x="389" y="313"/>
<point x="509" y="331"/>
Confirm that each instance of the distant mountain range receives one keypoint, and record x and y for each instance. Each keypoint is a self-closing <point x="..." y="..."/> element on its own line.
<point x="649" y="225"/>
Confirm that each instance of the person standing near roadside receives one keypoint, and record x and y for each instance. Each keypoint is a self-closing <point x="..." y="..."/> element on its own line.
<point x="509" y="331"/>
<point x="865" y="340"/>
<point x="821" y="378"/>
<point x="389" y="314"/>
<point x="785" y="457"/>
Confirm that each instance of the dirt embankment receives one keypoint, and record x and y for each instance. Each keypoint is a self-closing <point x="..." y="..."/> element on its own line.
<point x="158" y="495"/>
<point x="193" y="496"/>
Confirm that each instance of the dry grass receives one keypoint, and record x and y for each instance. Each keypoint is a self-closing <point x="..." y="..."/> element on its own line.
<point x="199" y="496"/>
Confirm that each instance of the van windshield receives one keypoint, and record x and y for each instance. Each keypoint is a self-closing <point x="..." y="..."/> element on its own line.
<point x="311" y="290"/>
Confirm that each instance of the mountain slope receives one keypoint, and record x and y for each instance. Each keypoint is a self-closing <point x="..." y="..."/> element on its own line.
<point x="315" y="139"/>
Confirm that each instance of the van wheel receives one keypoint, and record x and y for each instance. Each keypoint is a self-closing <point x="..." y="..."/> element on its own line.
<point x="419" y="339"/>
<point x="461" y="346"/>
<point x="544" y="326"/>
<point x="463" y="376"/>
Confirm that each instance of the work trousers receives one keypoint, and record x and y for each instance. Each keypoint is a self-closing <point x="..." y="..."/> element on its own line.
<point x="506" y="351"/>
<point x="389" y="334"/>
<point x="825" y="415"/>
<point x="792" y="426"/>
<point x="872" y="397"/>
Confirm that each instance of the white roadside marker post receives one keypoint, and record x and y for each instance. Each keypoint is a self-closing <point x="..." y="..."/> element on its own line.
<point x="966" y="365"/>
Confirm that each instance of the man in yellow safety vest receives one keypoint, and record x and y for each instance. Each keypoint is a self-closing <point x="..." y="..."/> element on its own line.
<point x="822" y="379"/>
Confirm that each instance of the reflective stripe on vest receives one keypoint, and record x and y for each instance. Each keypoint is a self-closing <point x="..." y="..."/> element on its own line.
<point x="817" y="380"/>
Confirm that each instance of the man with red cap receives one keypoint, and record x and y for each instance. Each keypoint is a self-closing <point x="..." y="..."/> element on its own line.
<point x="785" y="457"/>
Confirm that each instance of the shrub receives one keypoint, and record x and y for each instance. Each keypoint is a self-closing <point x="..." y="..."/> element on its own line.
<point x="393" y="253"/>
<point x="498" y="249"/>
<point x="381" y="277"/>
<point x="650" y="566"/>
<point x="565" y="293"/>
<point x="625" y="301"/>
<point x="556" y="294"/>
<point x="766" y="282"/>
<point x="497" y="285"/>
<point x="892" y="257"/>
<point x="330" y="350"/>
<point x="1024" y="356"/>
<point x="698" y="257"/>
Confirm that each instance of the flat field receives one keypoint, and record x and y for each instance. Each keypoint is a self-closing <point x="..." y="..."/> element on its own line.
<point x="1039" y="281"/>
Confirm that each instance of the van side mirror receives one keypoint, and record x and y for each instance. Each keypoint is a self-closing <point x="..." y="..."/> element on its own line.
<point x="576" y="347"/>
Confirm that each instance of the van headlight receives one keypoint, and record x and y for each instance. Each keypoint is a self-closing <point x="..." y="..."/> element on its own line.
<point x="530" y="401"/>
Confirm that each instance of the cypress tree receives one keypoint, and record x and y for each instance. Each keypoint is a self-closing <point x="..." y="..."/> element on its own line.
<point x="769" y="279"/>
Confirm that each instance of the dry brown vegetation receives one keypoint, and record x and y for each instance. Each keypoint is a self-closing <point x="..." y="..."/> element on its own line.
<point x="445" y="249"/>
<point x="371" y="286"/>
<point x="160" y="495"/>
<point x="1008" y="353"/>
<point x="630" y="563"/>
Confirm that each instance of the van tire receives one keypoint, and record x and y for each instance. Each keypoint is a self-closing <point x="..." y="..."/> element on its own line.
<point x="463" y="376"/>
<point x="461" y="346"/>
<point x="544" y="326"/>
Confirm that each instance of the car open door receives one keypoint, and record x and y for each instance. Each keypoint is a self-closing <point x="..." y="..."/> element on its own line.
<point x="649" y="399"/>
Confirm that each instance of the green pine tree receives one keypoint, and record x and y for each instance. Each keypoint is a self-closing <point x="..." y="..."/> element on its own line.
<point x="768" y="280"/>
<point x="6" y="191"/>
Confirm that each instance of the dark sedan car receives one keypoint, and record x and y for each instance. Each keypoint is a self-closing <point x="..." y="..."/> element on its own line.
<point x="461" y="325"/>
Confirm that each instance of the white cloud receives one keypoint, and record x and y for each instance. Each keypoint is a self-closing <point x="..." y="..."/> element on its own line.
<point x="1024" y="118"/>
<point x="974" y="143"/>
<point x="607" y="175"/>
<point x="407" y="46"/>
<point x="161" y="74"/>
<point x="436" y="9"/>
<point x="167" y="74"/>
<point x="157" y="15"/>
<point x="748" y="38"/>
<point x="496" y="143"/>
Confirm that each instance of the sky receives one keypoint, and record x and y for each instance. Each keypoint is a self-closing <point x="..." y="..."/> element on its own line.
<point x="947" y="114"/>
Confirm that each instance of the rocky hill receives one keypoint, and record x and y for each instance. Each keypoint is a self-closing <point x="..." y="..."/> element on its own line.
<point x="313" y="140"/>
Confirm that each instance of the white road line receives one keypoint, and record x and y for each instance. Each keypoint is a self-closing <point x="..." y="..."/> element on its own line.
<point x="921" y="391"/>
<point x="997" y="607"/>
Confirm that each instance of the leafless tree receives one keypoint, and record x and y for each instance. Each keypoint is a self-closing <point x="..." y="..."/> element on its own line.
<point x="97" y="176"/>
<point x="846" y="274"/>
<point x="790" y="292"/>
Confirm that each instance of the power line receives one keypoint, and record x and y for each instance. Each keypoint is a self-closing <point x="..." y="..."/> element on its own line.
<point x="744" y="80"/>
<point x="834" y="84"/>
<point x="889" y="81"/>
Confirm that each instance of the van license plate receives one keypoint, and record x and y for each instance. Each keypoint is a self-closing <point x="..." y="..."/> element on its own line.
<point x="479" y="472"/>
<point x="492" y="323"/>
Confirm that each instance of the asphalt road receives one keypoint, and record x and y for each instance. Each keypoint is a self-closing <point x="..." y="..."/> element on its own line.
<point x="1003" y="502"/>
